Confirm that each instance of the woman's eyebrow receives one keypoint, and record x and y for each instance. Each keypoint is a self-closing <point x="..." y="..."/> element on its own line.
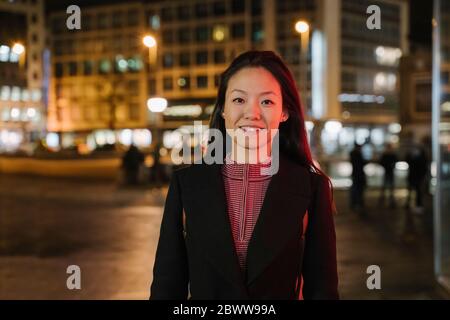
<point x="261" y="94"/>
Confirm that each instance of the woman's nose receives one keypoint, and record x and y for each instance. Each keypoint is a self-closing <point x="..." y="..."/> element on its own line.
<point x="252" y="111"/>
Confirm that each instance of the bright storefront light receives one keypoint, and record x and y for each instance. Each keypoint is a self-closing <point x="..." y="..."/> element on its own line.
<point x="157" y="104"/>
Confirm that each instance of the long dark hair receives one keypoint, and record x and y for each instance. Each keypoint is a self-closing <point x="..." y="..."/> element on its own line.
<point x="292" y="132"/>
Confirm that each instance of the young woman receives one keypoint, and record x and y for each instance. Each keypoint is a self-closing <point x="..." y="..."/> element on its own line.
<point x="231" y="231"/>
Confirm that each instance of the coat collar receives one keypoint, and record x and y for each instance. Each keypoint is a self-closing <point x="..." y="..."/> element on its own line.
<point x="287" y="198"/>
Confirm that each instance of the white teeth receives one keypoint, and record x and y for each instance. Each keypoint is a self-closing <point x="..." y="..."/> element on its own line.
<point x="250" y="129"/>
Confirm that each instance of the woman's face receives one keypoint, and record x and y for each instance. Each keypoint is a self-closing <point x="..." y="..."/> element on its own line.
<point x="253" y="106"/>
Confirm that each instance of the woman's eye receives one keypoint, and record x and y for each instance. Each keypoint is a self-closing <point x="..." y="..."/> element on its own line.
<point x="238" y="100"/>
<point x="267" y="102"/>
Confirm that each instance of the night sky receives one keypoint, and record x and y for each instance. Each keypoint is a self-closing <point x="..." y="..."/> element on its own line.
<point x="421" y="13"/>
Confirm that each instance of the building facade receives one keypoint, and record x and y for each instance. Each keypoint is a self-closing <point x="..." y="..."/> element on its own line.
<point x="23" y="81"/>
<point x="102" y="75"/>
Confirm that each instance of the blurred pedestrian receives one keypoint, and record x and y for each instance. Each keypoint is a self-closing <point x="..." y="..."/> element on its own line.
<point x="358" y="179"/>
<point x="388" y="160"/>
<point x="156" y="171"/>
<point x="417" y="160"/>
<point x="132" y="161"/>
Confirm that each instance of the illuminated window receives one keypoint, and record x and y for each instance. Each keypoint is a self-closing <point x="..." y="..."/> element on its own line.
<point x="220" y="33"/>
<point x="167" y="60"/>
<point x="4" y="53"/>
<point x="121" y="65"/>
<point x="104" y="66"/>
<point x="184" y="82"/>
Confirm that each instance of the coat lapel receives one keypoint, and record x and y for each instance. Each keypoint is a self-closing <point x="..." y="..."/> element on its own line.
<point x="210" y="220"/>
<point x="286" y="200"/>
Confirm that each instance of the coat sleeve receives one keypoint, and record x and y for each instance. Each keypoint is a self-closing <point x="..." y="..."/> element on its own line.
<point x="170" y="271"/>
<point x="319" y="272"/>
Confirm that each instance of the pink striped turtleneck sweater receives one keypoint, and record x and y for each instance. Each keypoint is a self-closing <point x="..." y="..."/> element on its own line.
<point x="245" y="188"/>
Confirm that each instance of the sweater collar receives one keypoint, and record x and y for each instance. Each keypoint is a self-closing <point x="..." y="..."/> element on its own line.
<point x="233" y="169"/>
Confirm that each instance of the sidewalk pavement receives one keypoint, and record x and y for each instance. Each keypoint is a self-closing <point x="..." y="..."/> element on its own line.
<point x="395" y="239"/>
<point x="112" y="232"/>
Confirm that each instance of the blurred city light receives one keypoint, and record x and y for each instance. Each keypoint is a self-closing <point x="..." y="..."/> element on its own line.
<point x="387" y="56"/>
<point x="309" y="125"/>
<point x="361" y="135"/>
<point x="52" y="140"/>
<point x="373" y="170"/>
<point x="364" y="98"/>
<point x="401" y="165"/>
<point x="172" y="139"/>
<point x="149" y="41"/>
<point x="333" y="127"/>
<point x="15" y="113"/>
<point x="182" y="111"/>
<point x="157" y="104"/>
<point x="18" y="48"/>
<point x="126" y="137"/>
<point x="31" y="112"/>
<point x="301" y="26"/>
<point x="219" y="33"/>
<point x="394" y="128"/>
<point x="142" y="137"/>
<point x="384" y="81"/>
<point x="4" y="53"/>
<point x="344" y="169"/>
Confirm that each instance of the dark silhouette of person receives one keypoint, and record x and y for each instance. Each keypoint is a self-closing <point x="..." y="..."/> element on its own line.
<point x="388" y="160"/>
<point x="417" y="161"/>
<point x="358" y="179"/>
<point x="131" y="162"/>
<point x="156" y="171"/>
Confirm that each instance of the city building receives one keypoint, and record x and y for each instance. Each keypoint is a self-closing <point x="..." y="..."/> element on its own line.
<point x="23" y="81"/>
<point x="367" y="104"/>
<point x="98" y="86"/>
<point x="103" y="75"/>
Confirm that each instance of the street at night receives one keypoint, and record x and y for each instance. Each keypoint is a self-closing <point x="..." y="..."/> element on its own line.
<point x="111" y="233"/>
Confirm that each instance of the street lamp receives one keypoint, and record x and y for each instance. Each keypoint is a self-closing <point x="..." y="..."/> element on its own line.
<point x="155" y="105"/>
<point x="19" y="49"/>
<point x="302" y="27"/>
<point x="150" y="42"/>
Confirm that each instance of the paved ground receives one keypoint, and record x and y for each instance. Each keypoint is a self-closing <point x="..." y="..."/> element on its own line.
<point x="47" y="224"/>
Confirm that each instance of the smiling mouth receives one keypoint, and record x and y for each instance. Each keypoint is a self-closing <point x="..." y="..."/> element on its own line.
<point x="250" y="129"/>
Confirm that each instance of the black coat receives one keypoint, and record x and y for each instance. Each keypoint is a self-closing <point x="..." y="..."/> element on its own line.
<point x="203" y="262"/>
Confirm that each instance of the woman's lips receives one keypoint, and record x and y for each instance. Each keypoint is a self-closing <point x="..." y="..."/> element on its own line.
<point x="250" y="129"/>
